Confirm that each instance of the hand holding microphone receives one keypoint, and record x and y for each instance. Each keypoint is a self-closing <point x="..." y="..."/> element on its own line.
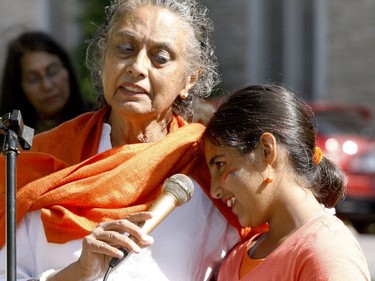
<point x="177" y="190"/>
<point x="100" y="244"/>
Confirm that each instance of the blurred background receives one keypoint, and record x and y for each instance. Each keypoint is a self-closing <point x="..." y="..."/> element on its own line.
<point x="321" y="49"/>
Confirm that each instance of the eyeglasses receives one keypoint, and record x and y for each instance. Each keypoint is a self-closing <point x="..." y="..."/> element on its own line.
<point x="51" y="73"/>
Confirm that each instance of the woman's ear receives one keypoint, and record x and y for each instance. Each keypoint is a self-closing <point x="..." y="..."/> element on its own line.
<point x="190" y="82"/>
<point x="268" y="144"/>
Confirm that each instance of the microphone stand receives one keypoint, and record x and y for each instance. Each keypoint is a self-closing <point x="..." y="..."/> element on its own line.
<point x="12" y="133"/>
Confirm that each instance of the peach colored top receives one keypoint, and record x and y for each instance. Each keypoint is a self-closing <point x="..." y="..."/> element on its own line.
<point x="323" y="249"/>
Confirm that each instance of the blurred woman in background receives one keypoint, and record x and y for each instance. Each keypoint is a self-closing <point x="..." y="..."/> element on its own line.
<point x="40" y="81"/>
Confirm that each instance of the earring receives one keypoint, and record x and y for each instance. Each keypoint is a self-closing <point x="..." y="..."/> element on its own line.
<point x="268" y="179"/>
<point x="184" y="95"/>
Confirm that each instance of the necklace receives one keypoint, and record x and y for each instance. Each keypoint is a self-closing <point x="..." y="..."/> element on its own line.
<point x="255" y="246"/>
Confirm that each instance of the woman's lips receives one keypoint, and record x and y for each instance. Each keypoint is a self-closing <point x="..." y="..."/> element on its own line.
<point x="133" y="89"/>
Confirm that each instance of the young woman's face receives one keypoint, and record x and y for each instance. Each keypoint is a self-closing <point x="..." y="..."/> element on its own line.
<point x="144" y="68"/>
<point x="45" y="83"/>
<point x="237" y="181"/>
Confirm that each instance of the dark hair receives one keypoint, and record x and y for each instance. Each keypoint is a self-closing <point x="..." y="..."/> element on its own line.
<point x="12" y="94"/>
<point x="200" y="51"/>
<point x="248" y="113"/>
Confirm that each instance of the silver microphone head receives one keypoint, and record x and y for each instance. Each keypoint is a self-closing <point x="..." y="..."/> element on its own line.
<point x="180" y="186"/>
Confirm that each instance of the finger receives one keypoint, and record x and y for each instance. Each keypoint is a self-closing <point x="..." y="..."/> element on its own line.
<point x="112" y="234"/>
<point x="133" y="233"/>
<point x="132" y="225"/>
<point x="92" y="244"/>
<point x="128" y="223"/>
<point x="116" y="239"/>
<point x="139" y="217"/>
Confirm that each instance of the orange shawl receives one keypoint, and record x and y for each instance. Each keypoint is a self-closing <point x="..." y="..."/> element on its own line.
<point x="75" y="189"/>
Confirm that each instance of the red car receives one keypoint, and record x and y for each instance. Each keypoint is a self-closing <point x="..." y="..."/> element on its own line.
<point x="346" y="136"/>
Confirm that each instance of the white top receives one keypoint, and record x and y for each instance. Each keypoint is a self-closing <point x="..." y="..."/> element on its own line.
<point x="187" y="244"/>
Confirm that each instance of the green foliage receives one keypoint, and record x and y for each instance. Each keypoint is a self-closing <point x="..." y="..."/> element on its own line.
<point x="92" y="17"/>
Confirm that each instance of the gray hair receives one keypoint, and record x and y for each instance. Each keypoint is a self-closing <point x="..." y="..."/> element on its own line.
<point x="200" y="54"/>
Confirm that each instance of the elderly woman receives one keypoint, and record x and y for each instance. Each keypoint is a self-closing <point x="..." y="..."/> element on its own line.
<point x="89" y="181"/>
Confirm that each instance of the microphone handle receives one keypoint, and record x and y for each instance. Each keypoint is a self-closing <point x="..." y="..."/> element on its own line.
<point x="115" y="261"/>
<point x="161" y="208"/>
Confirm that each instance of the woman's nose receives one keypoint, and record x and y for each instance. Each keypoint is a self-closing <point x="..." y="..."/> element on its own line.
<point x="46" y="82"/>
<point x="140" y="64"/>
<point x="216" y="190"/>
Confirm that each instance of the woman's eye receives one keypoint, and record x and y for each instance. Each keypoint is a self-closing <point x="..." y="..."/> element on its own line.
<point x="32" y="79"/>
<point x="162" y="57"/>
<point x="125" y="48"/>
<point x="53" y="70"/>
<point x="219" y="165"/>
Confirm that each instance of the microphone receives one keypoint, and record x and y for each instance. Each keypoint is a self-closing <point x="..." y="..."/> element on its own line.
<point x="176" y="190"/>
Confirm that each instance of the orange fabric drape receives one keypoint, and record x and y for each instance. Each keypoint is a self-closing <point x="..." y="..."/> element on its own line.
<point x="76" y="189"/>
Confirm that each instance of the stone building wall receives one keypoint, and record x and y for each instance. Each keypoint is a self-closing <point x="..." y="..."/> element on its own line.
<point x="351" y="51"/>
<point x="349" y="62"/>
<point x="348" y="48"/>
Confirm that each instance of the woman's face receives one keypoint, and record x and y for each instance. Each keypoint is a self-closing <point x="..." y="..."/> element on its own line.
<point x="144" y="68"/>
<point x="237" y="181"/>
<point x="45" y="83"/>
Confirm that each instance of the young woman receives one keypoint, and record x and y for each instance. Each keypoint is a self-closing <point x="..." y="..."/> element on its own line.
<point x="264" y="164"/>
